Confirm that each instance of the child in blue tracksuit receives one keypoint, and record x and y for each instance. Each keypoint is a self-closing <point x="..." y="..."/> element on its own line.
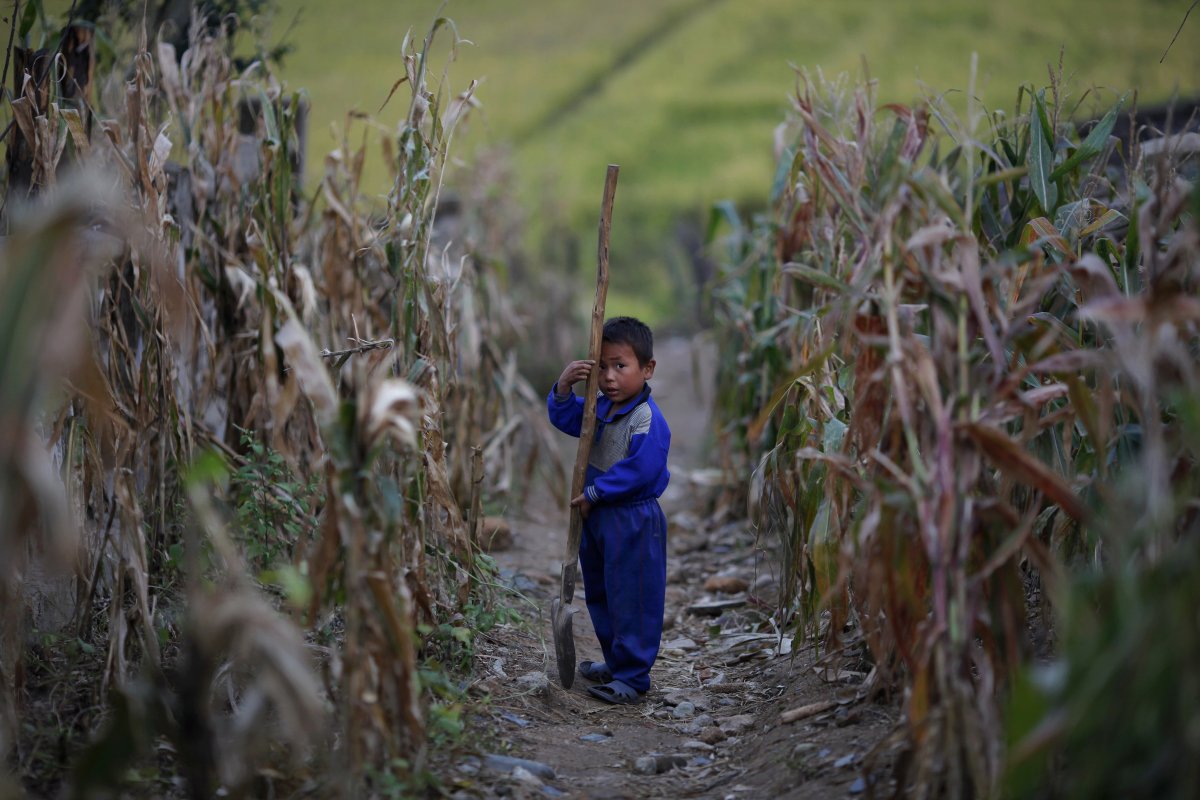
<point x="623" y="551"/>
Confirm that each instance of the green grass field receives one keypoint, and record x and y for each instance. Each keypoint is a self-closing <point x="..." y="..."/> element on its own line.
<point x="685" y="94"/>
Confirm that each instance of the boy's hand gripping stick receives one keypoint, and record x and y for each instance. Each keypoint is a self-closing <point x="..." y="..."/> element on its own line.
<point x="561" y="610"/>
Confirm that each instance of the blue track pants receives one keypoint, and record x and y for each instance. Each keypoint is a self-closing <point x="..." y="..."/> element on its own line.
<point x="623" y="559"/>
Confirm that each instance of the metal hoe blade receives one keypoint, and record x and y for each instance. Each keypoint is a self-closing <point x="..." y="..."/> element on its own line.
<point x="564" y="640"/>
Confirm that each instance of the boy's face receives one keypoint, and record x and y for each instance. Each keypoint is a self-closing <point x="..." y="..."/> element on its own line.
<point x="621" y="377"/>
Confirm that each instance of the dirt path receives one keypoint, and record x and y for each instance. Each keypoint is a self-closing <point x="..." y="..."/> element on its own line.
<point x="710" y="726"/>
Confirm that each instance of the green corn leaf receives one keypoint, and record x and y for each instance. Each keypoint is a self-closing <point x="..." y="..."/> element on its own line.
<point x="1066" y="335"/>
<point x="1093" y="145"/>
<point x="723" y="211"/>
<point x="1107" y="218"/>
<point x="934" y="187"/>
<point x="1133" y="255"/>
<point x="1010" y="152"/>
<point x="846" y="193"/>
<point x="1040" y="159"/>
<point x="1028" y="719"/>
<point x="784" y="173"/>
<point x="268" y="115"/>
<point x="1002" y="176"/>
<point x="1083" y="398"/>
<point x="835" y="434"/>
<point x="814" y="276"/>
<point x="29" y="17"/>
<point x="892" y="148"/>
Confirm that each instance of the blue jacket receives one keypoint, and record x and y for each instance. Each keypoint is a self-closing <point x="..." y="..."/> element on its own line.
<point x="628" y="461"/>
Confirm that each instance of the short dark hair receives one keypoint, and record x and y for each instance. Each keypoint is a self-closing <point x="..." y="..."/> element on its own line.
<point x="633" y="332"/>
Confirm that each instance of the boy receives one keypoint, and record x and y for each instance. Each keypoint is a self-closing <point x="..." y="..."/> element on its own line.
<point x="623" y="550"/>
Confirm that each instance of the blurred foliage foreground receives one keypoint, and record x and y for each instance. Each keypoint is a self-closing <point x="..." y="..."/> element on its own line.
<point x="242" y="436"/>
<point x="960" y="358"/>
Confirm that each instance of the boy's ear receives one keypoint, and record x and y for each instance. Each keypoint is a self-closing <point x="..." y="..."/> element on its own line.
<point x="648" y="369"/>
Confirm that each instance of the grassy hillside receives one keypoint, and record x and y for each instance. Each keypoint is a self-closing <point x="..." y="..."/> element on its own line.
<point x="685" y="94"/>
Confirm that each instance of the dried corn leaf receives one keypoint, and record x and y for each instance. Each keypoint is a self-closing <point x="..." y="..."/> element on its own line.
<point x="310" y="371"/>
<point x="78" y="134"/>
<point x="1019" y="463"/>
<point x="394" y="409"/>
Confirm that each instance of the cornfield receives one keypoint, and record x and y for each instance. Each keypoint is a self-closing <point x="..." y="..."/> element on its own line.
<point x="250" y="424"/>
<point x="959" y="356"/>
<point x="243" y="431"/>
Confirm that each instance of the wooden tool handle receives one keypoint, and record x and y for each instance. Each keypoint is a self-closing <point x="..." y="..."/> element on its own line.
<point x="588" y="430"/>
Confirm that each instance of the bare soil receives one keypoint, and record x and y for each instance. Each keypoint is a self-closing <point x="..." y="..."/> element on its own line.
<point x="734" y="668"/>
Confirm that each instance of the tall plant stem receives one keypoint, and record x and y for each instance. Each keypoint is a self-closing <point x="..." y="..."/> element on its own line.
<point x="12" y="34"/>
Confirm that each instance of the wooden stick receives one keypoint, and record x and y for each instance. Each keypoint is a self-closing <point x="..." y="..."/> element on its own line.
<point x="588" y="430"/>
<point x="804" y="712"/>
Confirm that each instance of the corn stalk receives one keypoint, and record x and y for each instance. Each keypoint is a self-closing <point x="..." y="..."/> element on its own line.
<point x="221" y="306"/>
<point x="934" y="406"/>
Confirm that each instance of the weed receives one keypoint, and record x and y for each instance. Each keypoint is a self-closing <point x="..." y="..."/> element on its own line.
<point x="275" y="512"/>
<point x="399" y="780"/>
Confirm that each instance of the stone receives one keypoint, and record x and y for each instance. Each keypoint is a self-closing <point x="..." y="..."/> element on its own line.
<point x="519" y="581"/>
<point x="714" y="608"/>
<point x="682" y="644"/>
<point x="713" y="735"/>
<point x="731" y="726"/>
<point x="592" y="738"/>
<point x="495" y="534"/>
<point x="535" y="682"/>
<point x="803" y="750"/>
<point x="846" y="716"/>
<point x="684" y="710"/>
<point x="696" y="745"/>
<point x="726" y="584"/>
<point x="507" y="765"/>
<point x="766" y="583"/>
<point x="682" y="521"/>
<point x="697" y="699"/>
<point x="656" y="764"/>
<point x="525" y="776"/>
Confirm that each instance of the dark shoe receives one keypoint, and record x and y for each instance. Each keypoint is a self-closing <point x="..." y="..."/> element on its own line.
<point x="595" y="671"/>
<point x="616" y="692"/>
